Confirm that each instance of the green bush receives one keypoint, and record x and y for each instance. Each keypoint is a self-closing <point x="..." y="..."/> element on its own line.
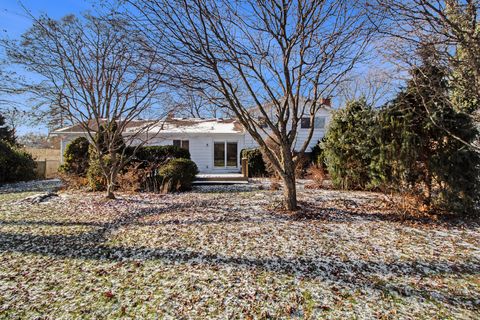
<point x="15" y="165"/>
<point x="95" y="176"/>
<point x="76" y="157"/>
<point x="349" y="146"/>
<point x="411" y="146"/>
<point x="177" y="175"/>
<point x="317" y="157"/>
<point x="420" y="149"/>
<point x="256" y="165"/>
<point x="156" y="155"/>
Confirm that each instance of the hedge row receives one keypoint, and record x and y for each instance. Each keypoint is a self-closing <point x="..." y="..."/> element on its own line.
<point x="15" y="165"/>
<point x="257" y="166"/>
<point x="157" y="154"/>
<point x="155" y="168"/>
<point x="255" y="163"/>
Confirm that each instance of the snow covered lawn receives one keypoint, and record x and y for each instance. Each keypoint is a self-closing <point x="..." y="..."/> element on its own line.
<point x="217" y="254"/>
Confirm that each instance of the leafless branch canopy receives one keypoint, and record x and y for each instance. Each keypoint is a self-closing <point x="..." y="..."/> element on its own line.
<point x="257" y="53"/>
<point x="375" y="86"/>
<point x="98" y="70"/>
<point x="451" y="26"/>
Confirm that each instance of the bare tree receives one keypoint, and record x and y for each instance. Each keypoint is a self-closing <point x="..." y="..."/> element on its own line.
<point x="376" y="86"/>
<point x="278" y="58"/>
<point x="196" y="105"/>
<point x="450" y="31"/>
<point x="10" y="108"/>
<point x="100" y="72"/>
<point x="449" y="26"/>
<point x="14" y="116"/>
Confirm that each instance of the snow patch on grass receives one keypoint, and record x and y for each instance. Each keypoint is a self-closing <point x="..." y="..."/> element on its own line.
<point x="225" y="253"/>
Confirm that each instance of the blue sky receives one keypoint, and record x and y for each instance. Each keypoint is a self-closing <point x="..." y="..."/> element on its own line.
<point x="14" y="21"/>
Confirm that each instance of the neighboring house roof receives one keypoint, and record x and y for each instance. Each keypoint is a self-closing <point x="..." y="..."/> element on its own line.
<point x="169" y="126"/>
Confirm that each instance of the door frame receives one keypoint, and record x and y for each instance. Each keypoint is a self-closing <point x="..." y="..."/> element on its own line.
<point x="225" y="167"/>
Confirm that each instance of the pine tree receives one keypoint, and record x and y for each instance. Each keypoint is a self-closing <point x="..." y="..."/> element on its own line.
<point x="348" y="144"/>
<point x="464" y="76"/>
<point x="7" y="134"/>
<point x="419" y="151"/>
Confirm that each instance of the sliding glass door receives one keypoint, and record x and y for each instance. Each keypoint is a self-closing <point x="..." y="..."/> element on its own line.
<point x="231" y="154"/>
<point x="219" y="154"/>
<point x="225" y="154"/>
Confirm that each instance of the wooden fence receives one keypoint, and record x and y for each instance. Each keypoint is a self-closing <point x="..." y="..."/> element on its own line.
<point x="47" y="160"/>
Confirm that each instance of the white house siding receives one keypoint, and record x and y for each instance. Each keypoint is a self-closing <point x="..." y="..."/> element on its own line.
<point x="201" y="149"/>
<point x="302" y="134"/>
<point x="203" y="133"/>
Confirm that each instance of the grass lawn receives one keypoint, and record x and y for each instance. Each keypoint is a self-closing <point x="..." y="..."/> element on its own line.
<point x="232" y="255"/>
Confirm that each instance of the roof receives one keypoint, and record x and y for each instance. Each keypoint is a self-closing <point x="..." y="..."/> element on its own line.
<point x="169" y="126"/>
<point x="78" y="128"/>
<point x="323" y="103"/>
<point x="197" y="125"/>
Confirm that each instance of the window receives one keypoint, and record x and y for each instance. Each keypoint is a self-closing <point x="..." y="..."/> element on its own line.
<point x="231" y="154"/>
<point x="305" y="123"/>
<point x="318" y="124"/>
<point x="225" y="154"/>
<point x="184" y="144"/>
<point x="262" y="122"/>
<point x="219" y="154"/>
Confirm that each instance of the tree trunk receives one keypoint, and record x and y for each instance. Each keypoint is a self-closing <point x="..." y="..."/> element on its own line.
<point x="428" y="187"/>
<point x="110" y="187"/>
<point x="289" y="183"/>
<point x="112" y="175"/>
<point x="290" y="192"/>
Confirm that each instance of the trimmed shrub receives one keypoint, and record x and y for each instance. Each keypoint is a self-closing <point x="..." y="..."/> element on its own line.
<point x="255" y="163"/>
<point x="350" y="145"/>
<point x="177" y="175"/>
<point x="96" y="179"/>
<point x="76" y="157"/>
<point x="156" y="155"/>
<point x="15" y="165"/>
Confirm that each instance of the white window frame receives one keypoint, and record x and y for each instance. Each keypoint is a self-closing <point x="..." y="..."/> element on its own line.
<point x="225" y="166"/>
<point x="182" y="141"/>
<point x="316" y="122"/>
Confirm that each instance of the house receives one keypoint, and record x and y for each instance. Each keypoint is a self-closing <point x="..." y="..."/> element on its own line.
<point x="214" y="144"/>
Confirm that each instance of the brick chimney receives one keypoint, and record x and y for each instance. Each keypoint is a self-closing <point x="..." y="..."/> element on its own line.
<point x="327" y="102"/>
